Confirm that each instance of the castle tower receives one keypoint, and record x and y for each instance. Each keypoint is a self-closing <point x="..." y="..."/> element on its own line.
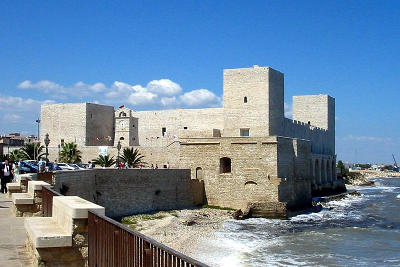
<point x="253" y="102"/>
<point x="126" y="128"/>
<point x="317" y="110"/>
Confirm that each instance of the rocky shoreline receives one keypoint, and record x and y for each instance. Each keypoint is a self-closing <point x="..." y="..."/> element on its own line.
<point x="362" y="177"/>
<point x="181" y="230"/>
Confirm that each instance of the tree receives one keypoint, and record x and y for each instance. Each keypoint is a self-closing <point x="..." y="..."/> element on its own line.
<point x="342" y="168"/>
<point x="104" y="161"/>
<point x="31" y="151"/>
<point x="70" y="153"/>
<point x="132" y="157"/>
<point x="15" y="155"/>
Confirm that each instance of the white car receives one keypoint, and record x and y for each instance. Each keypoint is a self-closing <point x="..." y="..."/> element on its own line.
<point x="66" y="166"/>
<point x="75" y="166"/>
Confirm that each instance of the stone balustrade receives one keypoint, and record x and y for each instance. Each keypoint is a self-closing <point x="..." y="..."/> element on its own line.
<point x="29" y="203"/>
<point x="14" y="188"/>
<point x="61" y="240"/>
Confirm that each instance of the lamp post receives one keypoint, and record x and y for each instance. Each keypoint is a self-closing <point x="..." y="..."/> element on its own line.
<point x="47" y="142"/>
<point x="118" y="148"/>
<point x="38" y="123"/>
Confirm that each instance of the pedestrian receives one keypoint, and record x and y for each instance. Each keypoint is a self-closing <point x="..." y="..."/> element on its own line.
<point x="156" y="166"/>
<point x="90" y="165"/>
<point x="42" y="165"/>
<point x="6" y="176"/>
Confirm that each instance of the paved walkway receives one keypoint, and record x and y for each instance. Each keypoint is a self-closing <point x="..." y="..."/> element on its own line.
<point x="12" y="237"/>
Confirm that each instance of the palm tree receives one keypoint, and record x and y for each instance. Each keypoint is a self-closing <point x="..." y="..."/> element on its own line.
<point x="31" y="151"/>
<point x="70" y="153"/>
<point x="104" y="161"/>
<point x="132" y="157"/>
<point x="15" y="155"/>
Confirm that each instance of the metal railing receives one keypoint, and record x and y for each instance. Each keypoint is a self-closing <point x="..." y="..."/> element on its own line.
<point x="113" y="244"/>
<point x="47" y="200"/>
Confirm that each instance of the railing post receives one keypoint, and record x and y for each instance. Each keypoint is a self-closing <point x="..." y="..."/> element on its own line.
<point x="147" y="259"/>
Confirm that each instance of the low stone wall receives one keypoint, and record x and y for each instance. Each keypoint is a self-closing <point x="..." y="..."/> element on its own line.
<point x="77" y="255"/>
<point x="129" y="191"/>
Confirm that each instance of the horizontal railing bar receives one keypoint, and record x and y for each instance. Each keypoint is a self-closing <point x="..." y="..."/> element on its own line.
<point x="170" y="251"/>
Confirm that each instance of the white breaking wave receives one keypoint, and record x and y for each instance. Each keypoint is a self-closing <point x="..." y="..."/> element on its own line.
<point x="398" y="196"/>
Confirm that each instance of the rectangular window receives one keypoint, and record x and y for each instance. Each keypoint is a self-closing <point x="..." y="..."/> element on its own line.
<point x="163" y="131"/>
<point x="185" y="128"/>
<point x="245" y="132"/>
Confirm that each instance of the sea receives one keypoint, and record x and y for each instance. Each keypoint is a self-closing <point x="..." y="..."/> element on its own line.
<point x="355" y="231"/>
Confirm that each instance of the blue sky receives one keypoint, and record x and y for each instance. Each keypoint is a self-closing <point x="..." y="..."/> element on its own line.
<point x="171" y="53"/>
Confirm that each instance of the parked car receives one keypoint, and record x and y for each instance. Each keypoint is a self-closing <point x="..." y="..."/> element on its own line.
<point x="65" y="166"/>
<point x="82" y="166"/>
<point x="75" y="166"/>
<point x="51" y="167"/>
<point x="28" y="167"/>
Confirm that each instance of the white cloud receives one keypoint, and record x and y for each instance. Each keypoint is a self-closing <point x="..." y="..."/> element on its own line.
<point x="200" y="97"/>
<point x="12" y="117"/>
<point x="141" y="98"/>
<point x="164" y="87"/>
<point x="97" y="87"/>
<point x="169" y="101"/>
<point x="288" y="110"/>
<point x="45" y="86"/>
<point x="19" y="114"/>
<point x="156" y="93"/>
<point x="48" y="87"/>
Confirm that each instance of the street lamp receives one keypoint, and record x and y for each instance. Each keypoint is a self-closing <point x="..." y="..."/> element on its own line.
<point x="47" y="142"/>
<point x="118" y="148"/>
<point x="38" y="123"/>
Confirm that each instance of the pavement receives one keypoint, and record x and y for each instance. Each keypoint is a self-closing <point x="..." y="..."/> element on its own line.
<point x="12" y="237"/>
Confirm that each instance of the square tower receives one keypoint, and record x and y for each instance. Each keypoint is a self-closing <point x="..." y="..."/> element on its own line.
<point x="316" y="110"/>
<point x="126" y="128"/>
<point x="253" y="102"/>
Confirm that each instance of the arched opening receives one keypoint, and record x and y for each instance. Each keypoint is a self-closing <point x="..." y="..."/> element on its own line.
<point x="121" y="138"/>
<point x="225" y="165"/>
<point x="199" y="173"/>
<point x="122" y="114"/>
<point x="245" y="99"/>
<point x="323" y="172"/>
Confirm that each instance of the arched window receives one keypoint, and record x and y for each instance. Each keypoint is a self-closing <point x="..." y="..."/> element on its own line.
<point x="245" y="99"/>
<point x="225" y="165"/>
<point x="199" y="173"/>
<point x="122" y="114"/>
<point x="121" y="138"/>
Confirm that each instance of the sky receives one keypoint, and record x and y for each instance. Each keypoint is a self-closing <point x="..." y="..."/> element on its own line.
<point x="168" y="54"/>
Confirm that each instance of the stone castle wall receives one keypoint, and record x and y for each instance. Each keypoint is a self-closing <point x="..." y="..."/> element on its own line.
<point x="319" y="111"/>
<point x="85" y="124"/>
<point x="253" y="99"/>
<point x="178" y="123"/>
<point x="126" y="192"/>
<point x="64" y="122"/>
<point x="260" y="169"/>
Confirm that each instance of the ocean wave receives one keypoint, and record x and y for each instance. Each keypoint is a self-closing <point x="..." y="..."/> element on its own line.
<point x="398" y="196"/>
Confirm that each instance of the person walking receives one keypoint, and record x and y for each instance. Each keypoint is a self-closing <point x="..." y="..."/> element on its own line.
<point x="6" y="176"/>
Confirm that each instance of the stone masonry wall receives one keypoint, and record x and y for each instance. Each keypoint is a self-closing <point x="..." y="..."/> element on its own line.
<point x="125" y="192"/>
<point x="253" y="175"/>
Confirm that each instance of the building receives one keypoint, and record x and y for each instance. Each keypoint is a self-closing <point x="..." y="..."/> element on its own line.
<point x="14" y="141"/>
<point x="247" y="152"/>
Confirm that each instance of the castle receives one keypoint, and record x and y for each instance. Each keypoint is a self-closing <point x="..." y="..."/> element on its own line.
<point x="247" y="152"/>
